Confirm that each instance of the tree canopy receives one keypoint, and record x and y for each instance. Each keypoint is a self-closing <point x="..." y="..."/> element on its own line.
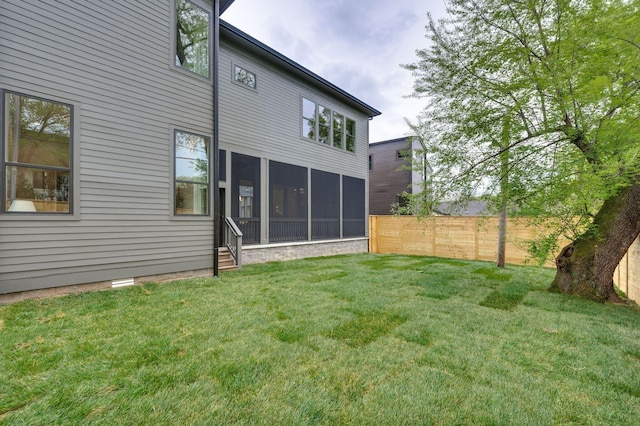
<point x="555" y="84"/>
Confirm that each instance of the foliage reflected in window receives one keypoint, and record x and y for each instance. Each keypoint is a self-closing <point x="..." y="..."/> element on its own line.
<point x="37" y="162"/>
<point x="192" y="37"/>
<point x="324" y="124"/>
<point x="321" y="124"/>
<point x="191" y="174"/>
<point x="308" y="119"/>
<point x="338" y="129"/>
<point x="245" y="77"/>
<point x="350" y="135"/>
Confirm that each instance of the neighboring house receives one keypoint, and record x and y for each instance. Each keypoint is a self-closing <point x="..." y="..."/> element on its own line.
<point x="391" y="174"/>
<point x="120" y="152"/>
<point x="470" y="208"/>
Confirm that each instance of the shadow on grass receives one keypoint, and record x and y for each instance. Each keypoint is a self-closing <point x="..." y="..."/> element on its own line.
<point x="365" y="328"/>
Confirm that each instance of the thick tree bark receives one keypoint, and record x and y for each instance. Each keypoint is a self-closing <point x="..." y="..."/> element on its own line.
<point x="585" y="267"/>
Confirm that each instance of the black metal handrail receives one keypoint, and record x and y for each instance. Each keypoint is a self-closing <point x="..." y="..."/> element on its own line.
<point x="233" y="238"/>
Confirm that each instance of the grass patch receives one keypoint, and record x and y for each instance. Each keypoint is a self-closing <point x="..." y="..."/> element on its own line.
<point x="331" y="340"/>
<point x="365" y="328"/>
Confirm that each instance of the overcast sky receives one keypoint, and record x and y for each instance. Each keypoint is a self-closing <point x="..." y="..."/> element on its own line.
<point x="358" y="45"/>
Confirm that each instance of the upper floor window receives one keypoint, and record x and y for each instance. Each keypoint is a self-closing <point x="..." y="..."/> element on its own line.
<point x="244" y="76"/>
<point x="308" y="119"/>
<point x="191" y="174"/>
<point x="36" y="165"/>
<point x="338" y="129"/>
<point x="321" y="124"/>
<point x="193" y="37"/>
<point x="324" y="124"/>
<point x="350" y="135"/>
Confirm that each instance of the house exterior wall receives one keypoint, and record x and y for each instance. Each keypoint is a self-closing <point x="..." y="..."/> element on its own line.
<point x="386" y="182"/>
<point x="267" y="123"/>
<point x="111" y="62"/>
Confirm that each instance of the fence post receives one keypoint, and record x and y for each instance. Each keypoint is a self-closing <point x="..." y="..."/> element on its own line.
<point x="373" y="234"/>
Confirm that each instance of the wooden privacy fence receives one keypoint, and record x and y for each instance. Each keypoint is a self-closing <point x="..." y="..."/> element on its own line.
<point x="627" y="275"/>
<point x="476" y="238"/>
<point x="458" y="237"/>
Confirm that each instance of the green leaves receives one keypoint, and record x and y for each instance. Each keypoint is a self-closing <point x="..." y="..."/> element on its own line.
<point x="564" y="74"/>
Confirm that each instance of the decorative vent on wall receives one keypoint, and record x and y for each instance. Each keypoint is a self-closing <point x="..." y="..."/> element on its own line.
<point x="122" y="283"/>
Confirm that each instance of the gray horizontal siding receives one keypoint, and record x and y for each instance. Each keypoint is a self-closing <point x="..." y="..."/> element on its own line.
<point x="267" y="122"/>
<point x="111" y="61"/>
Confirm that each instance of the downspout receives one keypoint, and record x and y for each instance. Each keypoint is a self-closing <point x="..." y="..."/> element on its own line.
<point x="216" y="136"/>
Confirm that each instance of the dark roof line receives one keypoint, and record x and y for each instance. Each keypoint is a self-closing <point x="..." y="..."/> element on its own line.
<point x="402" y="139"/>
<point x="246" y="40"/>
<point x="224" y="5"/>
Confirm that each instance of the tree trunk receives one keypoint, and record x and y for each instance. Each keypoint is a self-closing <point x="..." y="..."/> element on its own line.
<point x="504" y="194"/>
<point x="585" y="267"/>
<point x="502" y="238"/>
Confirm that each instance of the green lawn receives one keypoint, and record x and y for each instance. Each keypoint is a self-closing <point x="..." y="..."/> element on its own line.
<point x="363" y="339"/>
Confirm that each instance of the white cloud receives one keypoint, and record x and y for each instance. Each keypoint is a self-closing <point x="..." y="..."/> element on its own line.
<point x="357" y="45"/>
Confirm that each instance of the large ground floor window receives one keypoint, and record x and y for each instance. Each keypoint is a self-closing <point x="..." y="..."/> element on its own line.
<point x="288" y="195"/>
<point x="191" y="174"/>
<point x="37" y="146"/>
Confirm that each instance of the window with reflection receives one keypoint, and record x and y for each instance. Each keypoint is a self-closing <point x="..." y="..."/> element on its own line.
<point x="332" y="128"/>
<point x="244" y="77"/>
<point x="191" y="174"/>
<point x="308" y="119"/>
<point x="324" y="125"/>
<point x="37" y="161"/>
<point x="350" y="135"/>
<point x="338" y="129"/>
<point x="192" y="37"/>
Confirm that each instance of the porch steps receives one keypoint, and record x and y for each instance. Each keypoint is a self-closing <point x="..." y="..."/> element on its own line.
<point x="225" y="260"/>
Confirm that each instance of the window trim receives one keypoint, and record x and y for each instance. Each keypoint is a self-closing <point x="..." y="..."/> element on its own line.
<point x="174" y="34"/>
<point x="303" y="118"/>
<point x="234" y="67"/>
<point x="72" y="214"/>
<point x="172" y="202"/>
<point x="347" y="135"/>
<point x="316" y="129"/>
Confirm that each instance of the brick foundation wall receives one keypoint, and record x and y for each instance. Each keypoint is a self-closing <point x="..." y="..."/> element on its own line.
<point x="291" y="251"/>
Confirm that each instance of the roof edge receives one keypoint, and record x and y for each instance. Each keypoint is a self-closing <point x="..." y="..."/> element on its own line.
<point x="309" y="75"/>
<point x="224" y="5"/>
